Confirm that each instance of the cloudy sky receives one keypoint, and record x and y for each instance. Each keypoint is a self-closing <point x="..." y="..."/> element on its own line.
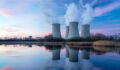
<point x="20" y="18"/>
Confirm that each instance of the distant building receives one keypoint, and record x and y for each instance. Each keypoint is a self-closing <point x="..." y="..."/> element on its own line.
<point x="30" y="37"/>
<point x="116" y="37"/>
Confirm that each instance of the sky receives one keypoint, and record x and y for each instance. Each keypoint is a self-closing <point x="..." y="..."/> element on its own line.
<point x="22" y="18"/>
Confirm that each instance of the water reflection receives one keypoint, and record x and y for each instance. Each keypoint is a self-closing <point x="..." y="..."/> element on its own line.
<point x="55" y="57"/>
<point x="72" y="63"/>
<point x="67" y="51"/>
<point x="85" y="54"/>
<point x="55" y="63"/>
<point x="86" y="63"/>
<point x="56" y="52"/>
<point x="73" y="54"/>
<point x="55" y="49"/>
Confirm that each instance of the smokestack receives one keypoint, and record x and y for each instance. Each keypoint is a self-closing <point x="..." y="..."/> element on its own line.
<point x="56" y="31"/>
<point x="85" y="31"/>
<point x="67" y="32"/>
<point x="73" y="30"/>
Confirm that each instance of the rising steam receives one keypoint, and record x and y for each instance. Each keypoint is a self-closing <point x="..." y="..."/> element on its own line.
<point x="72" y="13"/>
<point x="84" y="13"/>
<point x="88" y="12"/>
<point x="47" y="14"/>
<point x="50" y="19"/>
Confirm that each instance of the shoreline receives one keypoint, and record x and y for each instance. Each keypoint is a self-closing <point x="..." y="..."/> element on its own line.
<point x="96" y="43"/>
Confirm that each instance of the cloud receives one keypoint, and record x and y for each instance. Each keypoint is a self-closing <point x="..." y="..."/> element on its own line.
<point x="14" y="7"/>
<point x="44" y="34"/>
<point x="6" y="68"/>
<point x="48" y="11"/>
<point x="24" y="17"/>
<point x="99" y="11"/>
<point x="5" y="14"/>
<point x="106" y="31"/>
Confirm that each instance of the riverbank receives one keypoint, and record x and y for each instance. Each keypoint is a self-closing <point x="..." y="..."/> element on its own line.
<point x="107" y="43"/>
<point x="104" y="43"/>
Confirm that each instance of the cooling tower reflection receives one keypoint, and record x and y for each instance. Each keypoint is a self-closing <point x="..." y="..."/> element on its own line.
<point x="72" y="65"/>
<point x="72" y="62"/>
<point x="67" y="51"/>
<point x="55" y="49"/>
<point x="86" y="63"/>
<point x="55" y="63"/>
<point x="56" y="52"/>
<point x="73" y="54"/>
<point x="53" y="57"/>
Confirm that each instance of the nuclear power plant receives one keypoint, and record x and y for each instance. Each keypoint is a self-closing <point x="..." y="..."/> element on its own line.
<point x="73" y="30"/>
<point x="85" y="31"/>
<point x="56" y="30"/>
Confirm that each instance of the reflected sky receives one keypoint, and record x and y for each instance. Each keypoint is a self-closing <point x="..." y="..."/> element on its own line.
<point x="20" y="57"/>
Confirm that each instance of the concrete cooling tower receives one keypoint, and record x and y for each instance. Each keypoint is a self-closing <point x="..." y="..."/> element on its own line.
<point x="85" y="31"/>
<point x="56" y="31"/>
<point x="67" y="32"/>
<point x="73" y="30"/>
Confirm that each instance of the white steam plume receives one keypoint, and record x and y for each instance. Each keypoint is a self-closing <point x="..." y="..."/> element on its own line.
<point x="72" y="13"/>
<point x="88" y="12"/>
<point x="48" y="14"/>
<point x="50" y="19"/>
<point x="87" y="15"/>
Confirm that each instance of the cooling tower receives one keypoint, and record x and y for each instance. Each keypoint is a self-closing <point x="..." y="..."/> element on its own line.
<point x="67" y="32"/>
<point x="85" y="31"/>
<point x="56" y="31"/>
<point x="73" y="30"/>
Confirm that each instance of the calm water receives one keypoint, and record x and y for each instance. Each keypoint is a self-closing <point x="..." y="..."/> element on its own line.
<point x="20" y="57"/>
